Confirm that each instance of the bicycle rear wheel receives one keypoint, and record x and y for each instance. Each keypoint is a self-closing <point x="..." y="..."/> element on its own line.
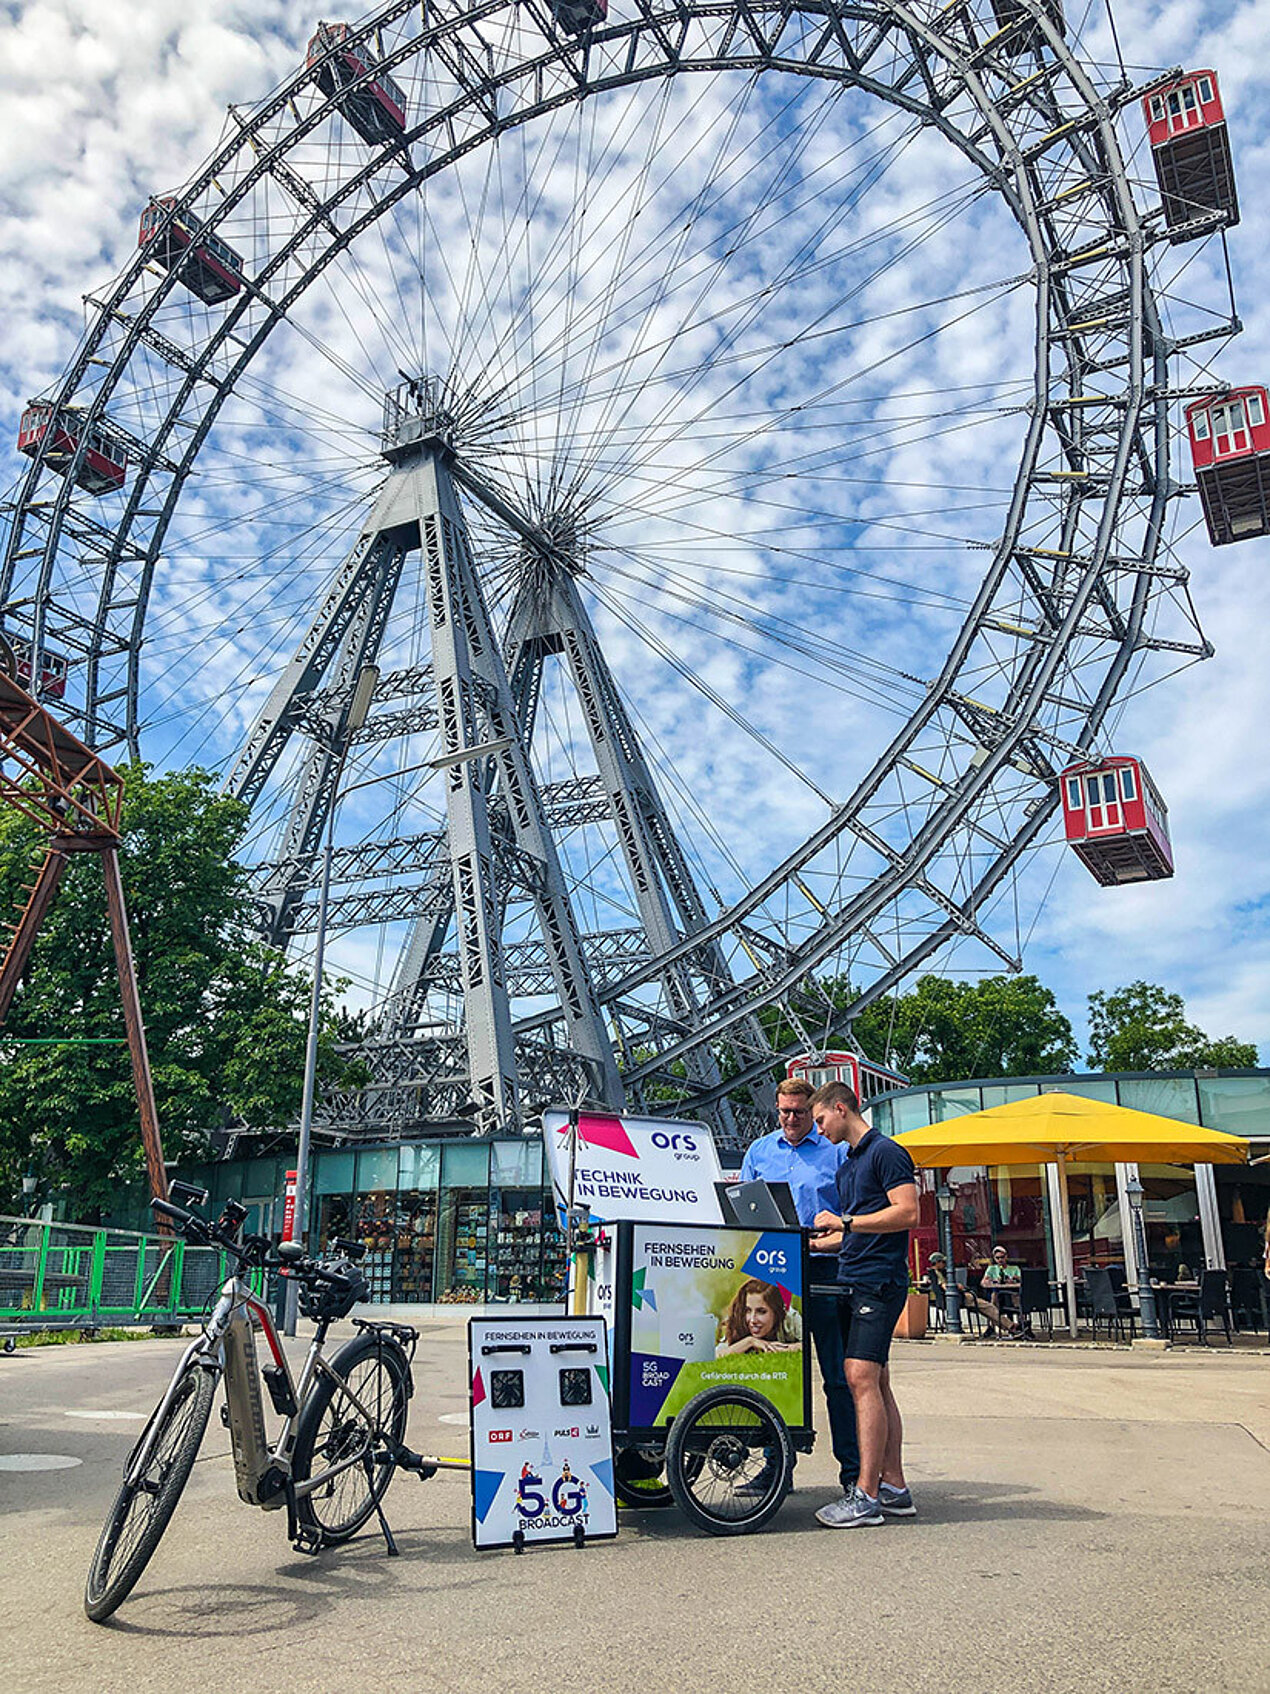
<point x="145" y="1503"/>
<point x="353" y="1427"/>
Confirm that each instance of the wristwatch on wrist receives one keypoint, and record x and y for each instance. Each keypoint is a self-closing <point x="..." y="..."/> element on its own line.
<point x="849" y="1225"/>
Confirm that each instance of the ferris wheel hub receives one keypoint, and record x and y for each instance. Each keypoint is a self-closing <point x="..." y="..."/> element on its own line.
<point x="415" y="417"/>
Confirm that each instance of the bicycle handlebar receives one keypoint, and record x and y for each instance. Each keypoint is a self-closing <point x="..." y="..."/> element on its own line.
<point x="254" y="1251"/>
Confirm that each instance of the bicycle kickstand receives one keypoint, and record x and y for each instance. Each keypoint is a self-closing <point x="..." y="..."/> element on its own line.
<point x="388" y="1536"/>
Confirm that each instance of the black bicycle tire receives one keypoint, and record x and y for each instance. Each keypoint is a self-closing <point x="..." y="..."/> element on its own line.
<point x="345" y="1361"/>
<point x="649" y="1490"/>
<point x="689" y="1462"/>
<point x="106" y="1587"/>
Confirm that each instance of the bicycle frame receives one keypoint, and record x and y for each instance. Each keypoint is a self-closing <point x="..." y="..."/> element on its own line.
<point x="227" y="1346"/>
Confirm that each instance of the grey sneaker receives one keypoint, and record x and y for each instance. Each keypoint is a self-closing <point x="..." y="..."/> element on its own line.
<point x="896" y="1502"/>
<point x="853" y="1509"/>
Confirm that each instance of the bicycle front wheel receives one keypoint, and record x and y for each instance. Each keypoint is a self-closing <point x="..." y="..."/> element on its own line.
<point x="145" y="1503"/>
<point x="729" y="1460"/>
<point x="351" y="1428"/>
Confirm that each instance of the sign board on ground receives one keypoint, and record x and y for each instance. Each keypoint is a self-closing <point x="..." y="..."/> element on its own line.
<point x="542" y="1445"/>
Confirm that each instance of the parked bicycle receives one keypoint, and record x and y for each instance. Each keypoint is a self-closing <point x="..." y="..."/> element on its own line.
<point x="343" y="1423"/>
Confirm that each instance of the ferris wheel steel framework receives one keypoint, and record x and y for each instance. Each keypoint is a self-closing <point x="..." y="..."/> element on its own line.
<point x="1095" y="458"/>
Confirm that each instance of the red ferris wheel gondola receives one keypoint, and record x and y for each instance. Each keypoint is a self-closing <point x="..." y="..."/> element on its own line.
<point x="860" y="1075"/>
<point x="1116" y="822"/>
<point x="376" y="109"/>
<point x="208" y="266"/>
<point x="1191" y="149"/>
<point x="1230" y="450"/>
<point x="104" y="464"/>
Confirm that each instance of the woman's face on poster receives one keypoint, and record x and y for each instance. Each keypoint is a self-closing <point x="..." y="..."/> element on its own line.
<point x="760" y="1320"/>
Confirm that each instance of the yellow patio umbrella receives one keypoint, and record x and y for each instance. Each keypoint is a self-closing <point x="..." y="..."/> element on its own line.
<point x="1063" y="1129"/>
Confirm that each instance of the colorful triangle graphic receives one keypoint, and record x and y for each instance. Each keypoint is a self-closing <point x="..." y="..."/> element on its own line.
<point x="478" y="1388"/>
<point x="603" y="1132"/>
<point x="485" y="1485"/>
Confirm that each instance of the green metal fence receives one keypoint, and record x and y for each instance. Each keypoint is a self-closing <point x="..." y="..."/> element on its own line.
<point x="61" y="1275"/>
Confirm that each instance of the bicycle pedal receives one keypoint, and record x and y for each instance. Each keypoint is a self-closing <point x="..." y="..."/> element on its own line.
<point x="307" y="1541"/>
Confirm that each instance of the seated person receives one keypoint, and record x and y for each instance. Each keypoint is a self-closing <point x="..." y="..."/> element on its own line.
<point x="1001" y="1273"/>
<point x="756" y="1322"/>
<point x="976" y="1297"/>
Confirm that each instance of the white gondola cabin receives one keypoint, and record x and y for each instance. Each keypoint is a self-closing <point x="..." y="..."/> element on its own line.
<point x="1115" y="821"/>
<point x="104" y="464"/>
<point x="377" y="108"/>
<point x="208" y="266"/>
<point x="862" y="1075"/>
<point x="1191" y="150"/>
<point x="1230" y="450"/>
<point x="578" y="16"/>
<point x="1024" y="35"/>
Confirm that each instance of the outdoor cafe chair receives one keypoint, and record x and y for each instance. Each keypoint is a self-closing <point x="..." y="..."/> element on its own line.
<point x="1248" y="1298"/>
<point x="1036" y="1299"/>
<point x="1211" y="1301"/>
<point x="1103" y="1305"/>
<point x="971" y="1317"/>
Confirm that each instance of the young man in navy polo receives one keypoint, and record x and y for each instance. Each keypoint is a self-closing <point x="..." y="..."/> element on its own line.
<point x="798" y="1154"/>
<point x="877" y="1207"/>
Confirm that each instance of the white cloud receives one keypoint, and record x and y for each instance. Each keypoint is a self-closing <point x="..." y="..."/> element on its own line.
<point x="694" y="201"/>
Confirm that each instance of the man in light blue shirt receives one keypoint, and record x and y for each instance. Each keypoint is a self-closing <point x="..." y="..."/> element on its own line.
<point x="797" y="1153"/>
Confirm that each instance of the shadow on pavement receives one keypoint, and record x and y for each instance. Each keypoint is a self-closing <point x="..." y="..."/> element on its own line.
<point x="937" y="1503"/>
<point x="305" y="1590"/>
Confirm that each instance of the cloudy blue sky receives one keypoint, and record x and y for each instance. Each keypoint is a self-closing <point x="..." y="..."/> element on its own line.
<point x="812" y="638"/>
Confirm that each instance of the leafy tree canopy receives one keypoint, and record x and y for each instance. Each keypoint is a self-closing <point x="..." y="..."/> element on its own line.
<point x="943" y="1030"/>
<point x="1143" y="1027"/>
<point x="225" y="1017"/>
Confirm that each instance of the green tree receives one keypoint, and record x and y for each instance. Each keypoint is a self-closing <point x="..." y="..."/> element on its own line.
<point x="943" y="1030"/>
<point x="1143" y="1027"/>
<point x="225" y="1016"/>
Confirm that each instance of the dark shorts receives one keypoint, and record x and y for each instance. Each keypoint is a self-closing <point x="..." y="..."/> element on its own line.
<point x="868" y="1316"/>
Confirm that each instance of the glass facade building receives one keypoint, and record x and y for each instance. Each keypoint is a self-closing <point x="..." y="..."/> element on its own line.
<point x="455" y="1221"/>
<point x="1196" y="1217"/>
<point x="472" y="1221"/>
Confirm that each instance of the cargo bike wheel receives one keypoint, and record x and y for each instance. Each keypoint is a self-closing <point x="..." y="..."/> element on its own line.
<point x="639" y="1476"/>
<point x="729" y="1461"/>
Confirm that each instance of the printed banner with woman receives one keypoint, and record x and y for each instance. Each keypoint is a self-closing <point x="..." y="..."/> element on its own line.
<point x="713" y="1307"/>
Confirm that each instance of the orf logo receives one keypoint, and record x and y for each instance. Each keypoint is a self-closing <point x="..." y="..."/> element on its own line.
<point x="500" y="1434"/>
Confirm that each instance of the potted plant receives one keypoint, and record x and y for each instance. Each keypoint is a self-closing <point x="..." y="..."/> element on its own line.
<point x="913" y="1320"/>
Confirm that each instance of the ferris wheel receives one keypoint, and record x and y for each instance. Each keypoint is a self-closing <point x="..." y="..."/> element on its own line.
<point x="664" y="491"/>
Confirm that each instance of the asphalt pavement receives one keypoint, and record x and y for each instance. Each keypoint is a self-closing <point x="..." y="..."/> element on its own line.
<point x="1087" y="1520"/>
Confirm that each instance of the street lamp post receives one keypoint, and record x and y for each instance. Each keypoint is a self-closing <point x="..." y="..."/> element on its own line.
<point x="945" y="1199"/>
<point x="1134" y="1194"/>
<point x="363" y="692"/>
<point x="356" y="718"/>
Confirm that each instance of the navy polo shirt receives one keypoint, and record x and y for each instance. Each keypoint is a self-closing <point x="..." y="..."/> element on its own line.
<point x="874" y="1165"/>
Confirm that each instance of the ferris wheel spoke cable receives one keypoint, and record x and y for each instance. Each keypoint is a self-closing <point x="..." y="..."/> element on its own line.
<point x="705" y="284"/>
<point x="792" y="637"/>
<point x="652" y="640"/>
<point x="664" y="272"/>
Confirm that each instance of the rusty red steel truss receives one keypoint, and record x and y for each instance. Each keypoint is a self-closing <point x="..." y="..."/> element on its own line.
<point x="77" y="799"/>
